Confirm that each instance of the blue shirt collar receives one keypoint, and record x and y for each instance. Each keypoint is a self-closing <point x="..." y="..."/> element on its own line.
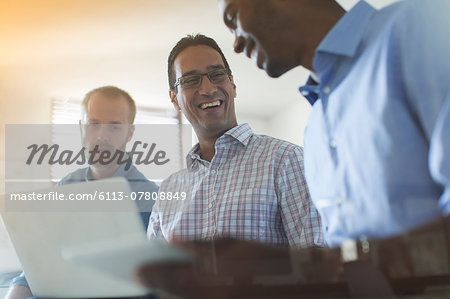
<point x="310" y="90"/>
<point x="346" y="35"/>
<point x="120" y="172"/>
<point x="342" y="40"/>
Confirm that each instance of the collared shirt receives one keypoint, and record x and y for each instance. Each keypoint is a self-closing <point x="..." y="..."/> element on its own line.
<point x="252" y="189"/>
<point x="138" y="183"/>
<point x="377" y="143"/>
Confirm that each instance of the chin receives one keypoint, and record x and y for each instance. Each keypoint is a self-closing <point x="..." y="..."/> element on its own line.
<point x="273" y="74"/>
<point x="276" y="70"/>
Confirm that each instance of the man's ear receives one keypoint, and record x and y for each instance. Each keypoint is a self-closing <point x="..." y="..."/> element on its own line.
<point x="82" y="131"/>
<point x="234" y="86"/>
<point x="81" y="127"/>
<point x="130" y="133"/>
<point x="173" y="99"/>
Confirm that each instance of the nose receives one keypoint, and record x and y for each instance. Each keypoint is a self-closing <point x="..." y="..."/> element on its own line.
<point x="239" y="44"/>
<point x="207" y="87"/>
<point x="103" y="133"/>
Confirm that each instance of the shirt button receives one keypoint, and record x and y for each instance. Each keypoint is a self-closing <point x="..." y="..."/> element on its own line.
<point x="339" y="200"/>
<point x="326" y="90"/>
<point x="305" y="93"/>
<point x="210" y="205"/>
<point x="333" y="143"/>
<point x="213" y="171"/>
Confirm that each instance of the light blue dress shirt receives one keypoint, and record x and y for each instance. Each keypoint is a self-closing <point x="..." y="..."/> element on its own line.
<point x="377" y="144"/>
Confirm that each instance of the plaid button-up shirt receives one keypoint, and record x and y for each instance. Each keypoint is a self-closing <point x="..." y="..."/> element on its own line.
<point x="253" y="189"/>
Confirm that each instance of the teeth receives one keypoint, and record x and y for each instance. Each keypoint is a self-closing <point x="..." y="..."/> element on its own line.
<point x="253" y="54"/>
<point x="212" y="104"/>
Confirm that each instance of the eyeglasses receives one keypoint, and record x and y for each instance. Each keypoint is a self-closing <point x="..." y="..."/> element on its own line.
<point x="192" y="81"/>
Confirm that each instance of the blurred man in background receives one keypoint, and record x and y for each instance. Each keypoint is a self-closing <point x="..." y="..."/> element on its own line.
<point x="107" y="124"/>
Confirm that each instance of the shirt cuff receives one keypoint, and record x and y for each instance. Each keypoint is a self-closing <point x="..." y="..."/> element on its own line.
<point x="19" y="281"/>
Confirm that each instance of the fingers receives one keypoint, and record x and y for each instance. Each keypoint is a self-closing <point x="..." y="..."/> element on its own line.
<point x="217" y="260"/>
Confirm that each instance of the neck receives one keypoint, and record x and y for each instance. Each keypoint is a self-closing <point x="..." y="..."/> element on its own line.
<point x="208" y="142"/>
<point x="325" y="15"/>
<point x="207" y="148"/>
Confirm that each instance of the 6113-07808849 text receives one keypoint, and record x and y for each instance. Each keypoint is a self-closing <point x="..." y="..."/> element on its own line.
<point x="97" y="195"/>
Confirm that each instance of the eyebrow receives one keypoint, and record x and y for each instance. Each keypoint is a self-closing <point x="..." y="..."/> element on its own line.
<point x="110" y="123"/>
<point x="209" y="68"/>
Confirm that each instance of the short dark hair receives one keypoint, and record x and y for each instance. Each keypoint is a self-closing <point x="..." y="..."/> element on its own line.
<point x="189" y="41"/>
<point x="112" y="92"/>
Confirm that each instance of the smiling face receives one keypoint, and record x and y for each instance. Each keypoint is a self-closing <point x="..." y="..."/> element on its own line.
<point x="266" y="32"/>
<point x="210" y="106"/>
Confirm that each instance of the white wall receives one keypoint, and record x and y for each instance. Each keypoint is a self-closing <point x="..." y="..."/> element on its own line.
<point x="258" y="124"/>
<point x="289" y="123"/>
<point x="21" y="102"/>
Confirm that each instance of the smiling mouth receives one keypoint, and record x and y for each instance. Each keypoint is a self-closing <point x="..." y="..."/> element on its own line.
<point x="211" y="105"/>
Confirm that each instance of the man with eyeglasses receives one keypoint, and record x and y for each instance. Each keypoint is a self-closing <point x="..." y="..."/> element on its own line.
<point x="238" y="183"/>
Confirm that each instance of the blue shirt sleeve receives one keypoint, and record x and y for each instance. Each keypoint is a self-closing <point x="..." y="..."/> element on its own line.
<point x="19" y="281"/>
<point x="426" y="74"/>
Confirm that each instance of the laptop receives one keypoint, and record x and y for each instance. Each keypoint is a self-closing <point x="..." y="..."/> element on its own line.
<point x="79" y="254"/>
